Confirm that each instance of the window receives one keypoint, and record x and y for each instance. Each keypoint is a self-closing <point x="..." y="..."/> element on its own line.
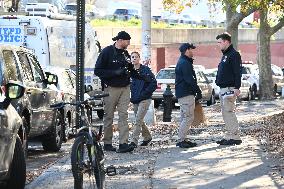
<point x="10" y="70"/>
<point x="65" y="82"/>
<point x="245" y="70"/>
<point x="37" y="71"/>
<point x="200" y="77"/>
<point x="166" y="74"/>
<point x="26" y="67"/>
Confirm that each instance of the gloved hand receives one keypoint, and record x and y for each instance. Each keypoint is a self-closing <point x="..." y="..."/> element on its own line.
<point x="119" y="72"/>
<point x="198" y="96"/>
<point x="146" y="78"/>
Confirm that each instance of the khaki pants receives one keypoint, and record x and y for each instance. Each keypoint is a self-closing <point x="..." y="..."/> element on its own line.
<point x="229" y="116"/>
<point x="119" y="97"/>
<point x="187" y="105"/>
<point x="140" y="111"/>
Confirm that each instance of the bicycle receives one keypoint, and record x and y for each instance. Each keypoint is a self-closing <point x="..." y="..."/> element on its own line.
<point x="87" y="156"/>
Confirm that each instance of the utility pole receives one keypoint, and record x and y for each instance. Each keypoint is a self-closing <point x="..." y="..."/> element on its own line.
<point x="80" y="55"/>
<point x="146" y="51"/>
<point x="146" y="32"/>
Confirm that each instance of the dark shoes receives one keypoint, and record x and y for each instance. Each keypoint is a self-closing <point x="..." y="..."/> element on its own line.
<point x="186" y="144"/>
<point x="133" y="145"/>
<point x="109" y="147"/>
<point x="229" y="142"/>
<point x="145" y="142"/>
<point x="123" y="148"/>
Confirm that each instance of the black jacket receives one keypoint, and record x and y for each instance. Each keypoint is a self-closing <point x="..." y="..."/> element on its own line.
<point x="143" y="89"/>
<point x="108" y="63"/>
<point x="186" y="82"/>
<point x="229" y="69"/>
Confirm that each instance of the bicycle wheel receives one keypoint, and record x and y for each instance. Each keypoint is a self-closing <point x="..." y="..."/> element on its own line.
<point x="87" y="163"/>
<point x="99" y="166"/>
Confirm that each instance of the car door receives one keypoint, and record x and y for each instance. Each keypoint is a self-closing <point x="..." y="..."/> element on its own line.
<point x="35" y="94"/>
<point x="8" y="129"/>
<point x="48" y="93"/>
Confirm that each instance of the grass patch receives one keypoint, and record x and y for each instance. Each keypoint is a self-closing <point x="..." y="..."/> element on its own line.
<point x="137" y="23"/>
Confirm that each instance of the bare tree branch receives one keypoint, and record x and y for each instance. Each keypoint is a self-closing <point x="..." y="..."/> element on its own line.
<point x="278" y="26"/>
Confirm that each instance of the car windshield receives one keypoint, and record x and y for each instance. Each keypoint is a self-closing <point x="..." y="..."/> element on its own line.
<point x="166" y="74"/>
<point x="71" y="7"/>
<point x="212" y="74"/>
<point x="120" y="11"/>
<point x="245" y="70"/>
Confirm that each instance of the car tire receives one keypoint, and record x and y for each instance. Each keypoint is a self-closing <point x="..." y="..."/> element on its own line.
<point x="24" y="137"/>
<point x="53" y="141"/>
<point x="253" y="92"/>
<point x="100" y="114"/>
<point x="67" y="126"/>
<point x="17" y="168"/>
<point x="157" y="103"/>
<point x="275" y="90"/>
<point x="212" y="99"/>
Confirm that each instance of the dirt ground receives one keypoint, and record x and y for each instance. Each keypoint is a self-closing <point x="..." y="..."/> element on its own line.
<point x="256" y="163"/>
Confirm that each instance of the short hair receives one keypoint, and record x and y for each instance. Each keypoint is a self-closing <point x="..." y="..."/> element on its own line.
<point x="135" y="52"/>
<point x="224" y="36"/>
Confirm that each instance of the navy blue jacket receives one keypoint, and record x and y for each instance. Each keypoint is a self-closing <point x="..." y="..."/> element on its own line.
<point x="229" y="69"/>
<point x="186" y="82"/>
<point x="110" y="60"/>
<point x="143" y="89"/>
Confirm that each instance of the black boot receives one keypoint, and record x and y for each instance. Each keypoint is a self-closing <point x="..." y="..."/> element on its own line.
<point x="109" y="147"/>
<point x="123" y="148"/>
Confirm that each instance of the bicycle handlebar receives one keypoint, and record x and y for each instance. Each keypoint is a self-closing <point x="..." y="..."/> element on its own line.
<point x="78" y="103"/>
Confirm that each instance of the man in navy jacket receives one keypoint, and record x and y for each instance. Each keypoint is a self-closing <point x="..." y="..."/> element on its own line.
<point x="229" y="80"/>
<point x="112" y="67"/>
<point x="141" y="94"/>
<point x="186" y="91"/>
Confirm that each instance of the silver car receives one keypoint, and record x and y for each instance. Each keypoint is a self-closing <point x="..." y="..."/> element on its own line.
<point x="167" y="76"/>
<point x="12" y="159"/>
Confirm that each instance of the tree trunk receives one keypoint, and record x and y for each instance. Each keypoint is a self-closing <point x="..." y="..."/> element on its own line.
<point x="264" y="58"/>
<point x="231" y="24"/>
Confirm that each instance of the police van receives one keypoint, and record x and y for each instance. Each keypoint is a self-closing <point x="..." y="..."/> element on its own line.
<point x="53" y="40"/>
<point x="52" y="37"/>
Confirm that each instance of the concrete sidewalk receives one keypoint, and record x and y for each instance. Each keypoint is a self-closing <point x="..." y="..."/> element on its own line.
<point x="206" y="166"/>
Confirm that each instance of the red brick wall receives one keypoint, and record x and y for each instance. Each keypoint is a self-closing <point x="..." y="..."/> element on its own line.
<point x="209" y="55"/>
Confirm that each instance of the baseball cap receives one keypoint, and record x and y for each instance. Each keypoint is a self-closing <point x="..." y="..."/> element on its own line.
<point x="186" y="46"/>
<point x="122" y="35"/>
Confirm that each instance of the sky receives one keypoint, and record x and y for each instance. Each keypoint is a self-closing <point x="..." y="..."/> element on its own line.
<point x="200" y="10"/>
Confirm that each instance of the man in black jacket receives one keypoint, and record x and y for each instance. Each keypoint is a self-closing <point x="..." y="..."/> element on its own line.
<point x="114" y="69"/>
<point x="186" y="91"/>
<point x="229" y="80"/>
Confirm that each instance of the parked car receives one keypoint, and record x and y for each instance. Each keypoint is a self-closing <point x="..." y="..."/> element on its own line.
<point x="211" y="76"/>
<point x="66" y="87"/>
<point x="126" y="14"/>
<point x="40" y="121"/>
<point x="245" y="93"/>
<point x="166" y="76"/>
<point x="250" y="73"/>
<point x="71" y="8"/>
<point x="278" y="79"/>
<point x="12" y="159"/>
